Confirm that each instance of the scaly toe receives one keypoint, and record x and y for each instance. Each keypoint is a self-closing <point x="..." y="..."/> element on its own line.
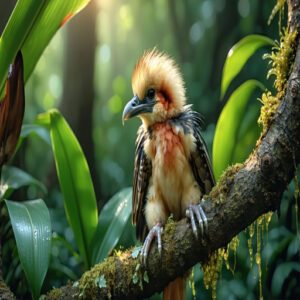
<point x="196" y="212"/>
<point x="155" y="232"/>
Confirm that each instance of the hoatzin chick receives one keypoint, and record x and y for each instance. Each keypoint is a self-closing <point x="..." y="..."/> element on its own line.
<point x="172" y="168"/>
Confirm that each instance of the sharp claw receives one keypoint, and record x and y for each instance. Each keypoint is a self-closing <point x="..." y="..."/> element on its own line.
<point x="146" y="248"/>
<point x="155" y="231"/>
<point x="193" y="223"/>
<point x="187" y="212"/>
<point x="204" y="218"/>
<point x="159" y="246"/>
<point x="198" y="216"/>
<point x="198" y="212"/>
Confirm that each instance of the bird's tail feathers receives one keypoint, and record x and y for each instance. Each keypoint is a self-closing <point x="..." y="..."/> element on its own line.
<point x="175" y="290"/>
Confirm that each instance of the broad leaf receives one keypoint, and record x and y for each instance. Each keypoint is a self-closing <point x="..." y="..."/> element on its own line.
<point x="30" y="28"/>
<point x="75" y="182"/>
<point x="32" y="229"/>
<point x="13" y="178"/>
<point x="35" y="130"/>
<point x="59" y="240"/>
<point x="229" y="124"/>
<point x="239" y="54"/>
<point x="248" y="133"/>
<point x="113" y="219"/>
<point x="281" y="273"/>
<point x="67" y="272"/>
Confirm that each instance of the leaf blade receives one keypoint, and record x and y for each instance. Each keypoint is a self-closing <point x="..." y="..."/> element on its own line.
<point x="239" y="54"/>
<point x="228" y="126"/>
<point x="32" y="229"/>
<point x="30" y="28"/>
<point x="113" y="219"/>
<point x="36" y="130"/>
<point x="14" y="178"/>
<point x="281" y="274"/>
<point x="75" y="182"/>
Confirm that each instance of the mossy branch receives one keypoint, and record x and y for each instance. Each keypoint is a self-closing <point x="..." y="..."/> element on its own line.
<point x="244" y="193"/>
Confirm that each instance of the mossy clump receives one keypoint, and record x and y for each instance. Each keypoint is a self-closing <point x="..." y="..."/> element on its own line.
<point x="250" y="243"/>
<point x="270" y="104"/>
<point x="89" y="283"/>
<point x="281" y="59"/>
<point x="279" y="6"/>
<point x="220" y="191"/>
<point x="260" y="226"/>
<point x="231" y="248"/>
<point x="212" y="269"/>
<point x="55" y="294"/>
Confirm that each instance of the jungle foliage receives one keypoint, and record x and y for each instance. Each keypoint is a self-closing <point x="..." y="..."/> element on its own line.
<point x="53" y="225"/>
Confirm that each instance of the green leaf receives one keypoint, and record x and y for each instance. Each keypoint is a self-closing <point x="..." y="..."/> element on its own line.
<point x="32" y="229"/>
<point x="75" y="182"/>
<point x="281" y="274"/>
<point x="248" y="133"/>
<point x="113" y="219"/>
<point x="35" y="130"/>
<point x="57" y="239"/>
<point x="56" y="266"/>
<point x="239" y="54"/>
<point x="14" y="178"/>
<point x="30" y="28"/>
<point x="229" y="124"/>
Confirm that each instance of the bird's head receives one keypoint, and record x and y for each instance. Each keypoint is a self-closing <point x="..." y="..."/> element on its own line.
<point x="158" y="89"/>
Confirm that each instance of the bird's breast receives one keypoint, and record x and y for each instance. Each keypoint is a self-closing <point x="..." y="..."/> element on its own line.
<point x="168" y="146"/>
<point x="169" y="150"/>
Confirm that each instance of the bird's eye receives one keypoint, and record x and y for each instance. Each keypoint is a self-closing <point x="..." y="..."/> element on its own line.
<point x="151" y="93"/>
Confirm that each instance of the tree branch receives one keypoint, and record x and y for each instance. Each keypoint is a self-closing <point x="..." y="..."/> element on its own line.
<point x="243" y="194"/>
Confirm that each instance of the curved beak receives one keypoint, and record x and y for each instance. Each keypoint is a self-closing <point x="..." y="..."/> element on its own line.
<point x="136" y="107"/>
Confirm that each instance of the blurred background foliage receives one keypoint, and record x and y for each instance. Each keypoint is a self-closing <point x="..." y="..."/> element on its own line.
<point x="86" y="73"/>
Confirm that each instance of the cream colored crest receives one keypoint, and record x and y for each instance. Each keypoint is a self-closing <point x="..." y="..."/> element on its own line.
<point x="158" y="71"/>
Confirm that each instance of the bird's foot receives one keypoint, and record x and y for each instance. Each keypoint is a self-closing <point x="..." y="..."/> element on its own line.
<point x="155" y="232"/>
<point x="196" y="212"/>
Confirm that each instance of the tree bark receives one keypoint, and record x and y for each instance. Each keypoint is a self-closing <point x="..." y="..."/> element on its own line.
<point x="243" y="194"/>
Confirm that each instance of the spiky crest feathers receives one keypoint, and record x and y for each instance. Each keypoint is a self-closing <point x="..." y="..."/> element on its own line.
<point x="159" y="71"/>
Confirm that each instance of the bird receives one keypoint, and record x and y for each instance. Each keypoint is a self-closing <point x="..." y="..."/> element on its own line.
<point x="172" y="168"/>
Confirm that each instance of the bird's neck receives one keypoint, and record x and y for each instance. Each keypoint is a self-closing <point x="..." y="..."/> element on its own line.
<point x="151" y="124"/>
<point x="156" y="127"/>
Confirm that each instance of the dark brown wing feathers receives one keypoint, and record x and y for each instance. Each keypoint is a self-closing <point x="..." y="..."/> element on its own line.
<point x="199" y="160"/>
<point x="142" y="174"/>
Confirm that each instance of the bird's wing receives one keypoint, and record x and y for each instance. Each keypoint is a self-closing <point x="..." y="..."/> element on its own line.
<point x="199" y="160"/>
<point x="142" y="174"/>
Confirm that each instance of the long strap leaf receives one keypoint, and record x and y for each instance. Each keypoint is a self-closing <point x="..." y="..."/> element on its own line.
<point x="75" y="182"/>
